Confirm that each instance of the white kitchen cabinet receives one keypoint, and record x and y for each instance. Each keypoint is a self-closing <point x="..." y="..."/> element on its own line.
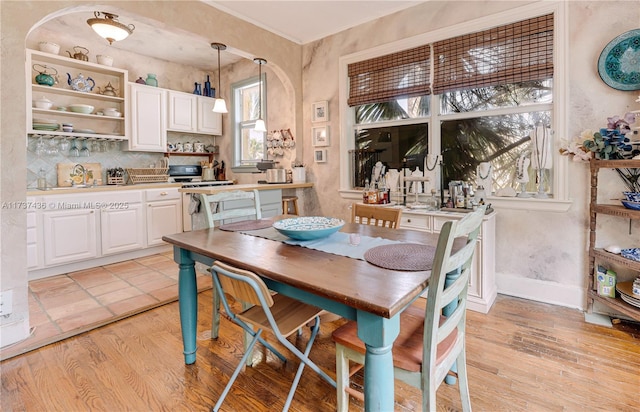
<point x="482" y="285"/>
<point x="182" y="111"/>
<point x="147" y="119"/>
<point x="208" y="121"/>
<point x="69" y="234"/>
<point x="34" y="250"/>
<point x="163" y="214"/>
<point x="122" y="222"/>
<point x="192" y="113"/>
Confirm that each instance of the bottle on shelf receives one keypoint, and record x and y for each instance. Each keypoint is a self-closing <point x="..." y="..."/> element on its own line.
<point x="432" y="202"/>
<point x="365" y="192"/>
<point x="42" y="179"/>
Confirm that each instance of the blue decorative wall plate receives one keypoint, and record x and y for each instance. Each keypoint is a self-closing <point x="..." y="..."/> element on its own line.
<point x="619" y="62"/>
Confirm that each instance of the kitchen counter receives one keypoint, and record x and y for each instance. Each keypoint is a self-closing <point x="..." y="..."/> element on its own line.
<point x="101" y="188"/>
<point x="209" y="190"/>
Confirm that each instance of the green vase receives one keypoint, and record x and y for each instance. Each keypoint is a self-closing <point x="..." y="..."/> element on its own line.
<point x="151" y="80"/>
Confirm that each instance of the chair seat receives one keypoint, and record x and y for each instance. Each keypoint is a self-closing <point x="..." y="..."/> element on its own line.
<point x="289" y="314"/>
<point x="407" y="348"/>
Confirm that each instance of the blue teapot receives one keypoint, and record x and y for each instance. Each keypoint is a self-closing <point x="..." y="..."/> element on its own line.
<point x="44" y="78"/>
<point x="80" y="84"/>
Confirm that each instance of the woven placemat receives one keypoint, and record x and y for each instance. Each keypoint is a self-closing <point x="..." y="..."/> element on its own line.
<point x="247" y="225"/>
<point x="402" y="256"/>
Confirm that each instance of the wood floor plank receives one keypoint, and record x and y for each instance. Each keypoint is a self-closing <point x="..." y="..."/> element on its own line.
<point x="522" y="356"/>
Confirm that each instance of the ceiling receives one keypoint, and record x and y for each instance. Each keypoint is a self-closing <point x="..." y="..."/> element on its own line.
<point x="299" y="21"/>
<point x="304" y="21"/>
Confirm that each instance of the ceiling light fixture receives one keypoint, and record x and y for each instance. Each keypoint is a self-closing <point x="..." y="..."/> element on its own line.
<point x="109" y="27"/>
<point x="260" y="126"/>
<point x="219" y="105"/>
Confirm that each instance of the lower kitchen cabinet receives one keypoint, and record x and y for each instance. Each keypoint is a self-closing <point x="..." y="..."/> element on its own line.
<point x="69" y="235"/>
<point x="482" y="284"/>
<point x="82" y="230"/>
<point x="164" y="214"/>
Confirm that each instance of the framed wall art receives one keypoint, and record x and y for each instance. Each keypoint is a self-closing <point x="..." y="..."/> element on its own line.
<point x="320" y="136"/>
<point x="320" y="155"/>
<point x="320" y="112"/>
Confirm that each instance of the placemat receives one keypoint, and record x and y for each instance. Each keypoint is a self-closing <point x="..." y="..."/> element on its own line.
<point x="402" y="256"/>
<point x="246" y="225"/>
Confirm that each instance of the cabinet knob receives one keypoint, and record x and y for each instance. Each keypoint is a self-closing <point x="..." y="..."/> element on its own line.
<point x="408" y="220"/>
<point x="163" y="193"/>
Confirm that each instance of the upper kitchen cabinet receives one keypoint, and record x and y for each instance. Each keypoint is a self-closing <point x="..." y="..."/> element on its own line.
<point x="92" y="97"/>
<point x="193" y="114"/>
<point x="148" y="124"/>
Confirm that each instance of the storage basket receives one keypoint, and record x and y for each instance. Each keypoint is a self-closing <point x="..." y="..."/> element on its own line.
<point x="111" y="180"/>
<point x="148" y="175"/>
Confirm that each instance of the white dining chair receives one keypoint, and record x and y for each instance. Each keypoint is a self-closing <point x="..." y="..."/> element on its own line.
<point x="231" y="206"/>
<point x="429" y="344"/>
<point x="278" y="313"/>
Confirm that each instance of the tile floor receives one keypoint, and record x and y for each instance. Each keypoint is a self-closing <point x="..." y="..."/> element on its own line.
<point x="66" y="305"/>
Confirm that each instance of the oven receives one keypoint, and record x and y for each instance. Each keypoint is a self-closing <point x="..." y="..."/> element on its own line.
<point x="190" y="176"/>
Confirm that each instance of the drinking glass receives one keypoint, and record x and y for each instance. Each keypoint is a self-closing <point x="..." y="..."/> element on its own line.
<point x="64" y="144"/>
<point x="52" y="146"/>
<point x="74" y="152"/>
<point x="40" y="146"/>
<point x="85" y="152"/>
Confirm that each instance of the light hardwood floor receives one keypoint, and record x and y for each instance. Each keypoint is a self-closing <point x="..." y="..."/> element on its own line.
<point x="522" y="356"/>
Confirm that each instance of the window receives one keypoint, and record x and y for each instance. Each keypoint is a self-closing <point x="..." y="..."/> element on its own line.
<point x="492" y="88"/>
<point x="250" y="146"/>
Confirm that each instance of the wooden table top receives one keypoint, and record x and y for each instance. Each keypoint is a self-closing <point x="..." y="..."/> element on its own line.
<point x="353" y="282"/>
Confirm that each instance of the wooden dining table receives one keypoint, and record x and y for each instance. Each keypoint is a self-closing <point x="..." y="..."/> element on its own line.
<point x="352" y="288"/>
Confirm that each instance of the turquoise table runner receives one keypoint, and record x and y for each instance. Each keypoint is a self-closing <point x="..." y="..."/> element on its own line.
<point x="337" y="244"/>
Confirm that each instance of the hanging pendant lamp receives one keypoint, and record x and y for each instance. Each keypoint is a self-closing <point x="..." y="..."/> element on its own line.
<point x="219" y="105"/>
<point x="109" y="27"/>
<point x="260" y="126"/>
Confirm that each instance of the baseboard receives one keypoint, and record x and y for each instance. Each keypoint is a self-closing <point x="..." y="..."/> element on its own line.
<point x="541" y="291"/>
<point x="14" y="332"/>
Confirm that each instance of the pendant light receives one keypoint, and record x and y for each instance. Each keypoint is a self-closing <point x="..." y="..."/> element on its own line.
<point x="109" y="27"/>
<point x="219" y="105"/>
<point x="260" y="126"/>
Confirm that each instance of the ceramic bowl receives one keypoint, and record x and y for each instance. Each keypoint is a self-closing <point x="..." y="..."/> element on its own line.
<point x="631" y="205"/>
<point x="42" y="103"/>
<point x="308" y="227"/>
<point x="632" y="196"/>
<point x="104" y="60"/>
<point x="49" y="47"/>
<point x="81" y="108"/>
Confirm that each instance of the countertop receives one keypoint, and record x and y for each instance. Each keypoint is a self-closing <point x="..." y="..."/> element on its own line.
<point x="209" y="190"/>
<point x="101" y="188"/>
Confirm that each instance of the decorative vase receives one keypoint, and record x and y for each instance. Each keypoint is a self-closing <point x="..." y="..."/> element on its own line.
<point x="151" y="80"/>
<point x="198" y="89"/>
<point x="207" y="88"/>
<point x="299" y="175"/>
<point x="140" y="81"/>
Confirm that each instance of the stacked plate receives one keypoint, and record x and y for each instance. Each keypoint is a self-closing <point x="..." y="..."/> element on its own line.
<point x="45" y="124"/>
<point x="626" y="293"/>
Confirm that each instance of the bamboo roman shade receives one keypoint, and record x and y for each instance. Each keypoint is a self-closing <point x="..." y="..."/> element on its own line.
<point x="385" y="78"/>
<point x="512" y="53"/>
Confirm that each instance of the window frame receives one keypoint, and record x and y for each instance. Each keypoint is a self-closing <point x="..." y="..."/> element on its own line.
<point x="237" y="126"/>
<point x="561" y="200"/>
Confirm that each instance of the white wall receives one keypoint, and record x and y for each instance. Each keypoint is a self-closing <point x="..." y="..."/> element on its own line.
<point x="539" y="255"/>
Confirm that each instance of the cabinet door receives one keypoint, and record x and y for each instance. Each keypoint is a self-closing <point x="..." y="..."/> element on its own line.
<point x="208" y="121"/>
<point x="163" y="218"/>
<point x="33" y="251"/>
<point x="147" y="118"/>
<point x="69" y="236"/>
<point x="122" y="230"/>
<point x="182" y="111"/>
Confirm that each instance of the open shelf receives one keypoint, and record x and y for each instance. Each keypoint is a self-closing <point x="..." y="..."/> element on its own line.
<point x="618" y="304"/>
<point x="209" y="155"/>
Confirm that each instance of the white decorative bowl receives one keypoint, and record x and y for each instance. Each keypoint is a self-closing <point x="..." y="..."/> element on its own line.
<point x="49" y="47"/>
<point x="308" y="227"/>
<point x="104" y="59"/>
<point x="42" y="103"/>
<point x="80" y="108"/>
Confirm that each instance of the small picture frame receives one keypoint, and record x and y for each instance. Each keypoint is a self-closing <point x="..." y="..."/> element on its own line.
<point x="320" y="155"/>
<point x="320" y="112"/>
<point x="320" y="136"/>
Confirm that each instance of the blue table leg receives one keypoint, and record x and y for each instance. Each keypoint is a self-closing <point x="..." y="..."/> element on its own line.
<point x="446" y="311"/>
<point x="188" y="302"/>
<point x="378" y="335"/>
